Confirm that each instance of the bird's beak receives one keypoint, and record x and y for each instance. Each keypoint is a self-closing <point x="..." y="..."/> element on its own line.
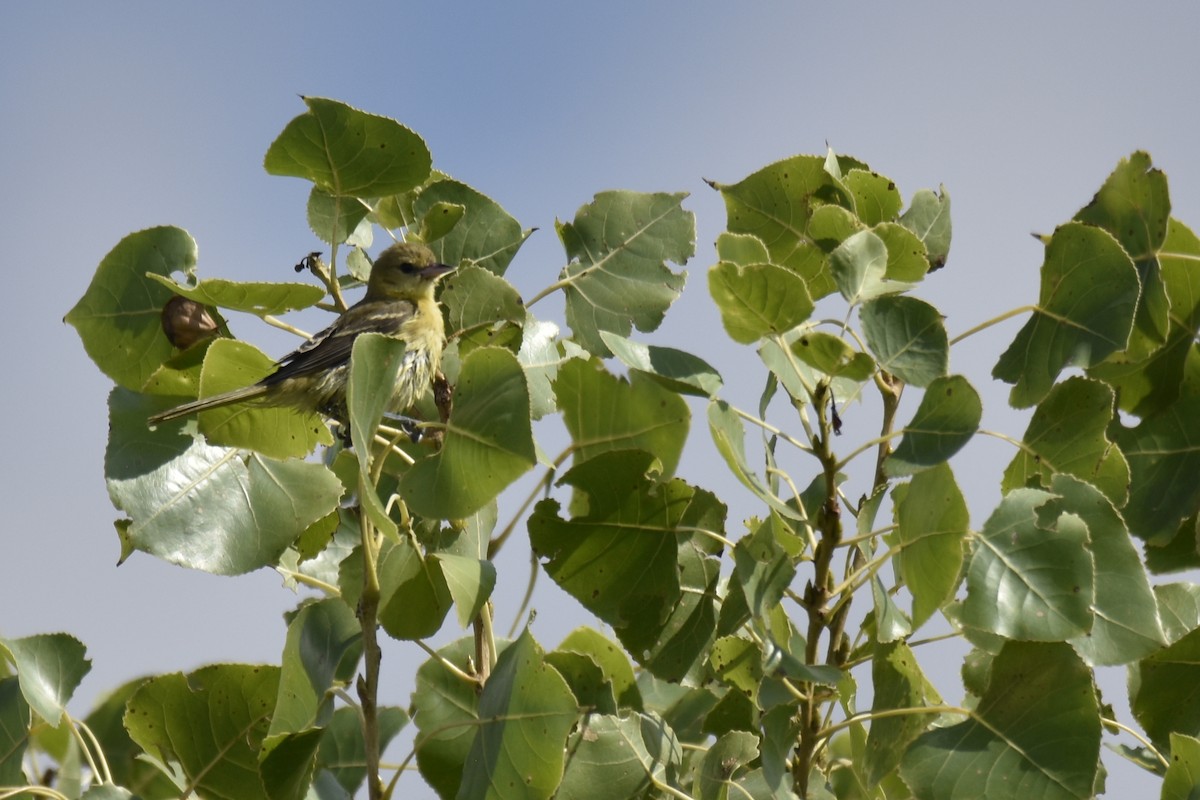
<point x="435" y="271"/>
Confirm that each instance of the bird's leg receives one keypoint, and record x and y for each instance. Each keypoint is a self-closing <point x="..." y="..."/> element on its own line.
<point x="409" y="425"/>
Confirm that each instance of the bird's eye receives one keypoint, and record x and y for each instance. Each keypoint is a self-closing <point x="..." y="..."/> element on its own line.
<point x="407" y="268"/>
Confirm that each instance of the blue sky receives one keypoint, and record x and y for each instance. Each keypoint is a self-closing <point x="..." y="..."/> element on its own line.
<point x="123" y="116"/>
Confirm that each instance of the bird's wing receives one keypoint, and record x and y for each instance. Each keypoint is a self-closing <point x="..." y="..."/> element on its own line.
<point x="331" y="347"/>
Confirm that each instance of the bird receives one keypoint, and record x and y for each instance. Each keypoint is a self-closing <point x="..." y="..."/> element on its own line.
<point x="399" y="302"/>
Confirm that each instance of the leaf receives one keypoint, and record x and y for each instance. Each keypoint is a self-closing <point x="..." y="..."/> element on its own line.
<point x="832" y="356"/>
<point x="898" y="684"/>
<point x="1067" y="435"/>
<point x="1031" y="577"/>
<point x="212" y="722"/>
<point x="1126" y="625"/>
<point x="119" y="317"/>
<point x="876" y="198"/>
<point x="342" y="752"/>
<point x="603" y="413"/>
<point x="470" y="581"/>
<point x="488" y="440"/>
<point x="608" y="759"/>
<point x="859" y="265"/>
<point x="1134" y="206"/>
<point x="907" y="263"/>
<point x="1162" y="690"/>
<point x="776" y="204"/>
<point x="14" y="732"/>
<point x="676" y="370"/>
<point x="763" y="571"/>
<point x="1164" y="457"/>
<point x="526" y="712"/>
<point x="1182" y="781"/>
<point x="128" y="768"/>
<point x="203" y="507"/>
<point x="259" y="298"/>
<point x="618" y="246"/>
<point x="349" y="153"/>
<point x="414" y="595"/>
<point x="727" y="756"/>
<point x="907" y="337"/>
<point x="1179" y="607"/>
<point x="618" y="674"/>
<point x="1035" y="733"/>
<point x="49" y="667"/>
<point x="928" y="216"/>
<point x="446" y="710"/>
<point x="932" y="523"/>
<point x="476" y="298"/>
<point x="1085" y="312"/>
<point x="277" y="432"/>
<point x="541" y="354"/>
<point x="729" y="436"/>
<point x="487" y="236"/>
<point x="758" y="300"/>
<point x="319" y="637"/>
<point x="946" y="419"/>
<point x="333" y="218"/>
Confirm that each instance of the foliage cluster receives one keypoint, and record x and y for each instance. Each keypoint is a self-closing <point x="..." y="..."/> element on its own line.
<point x="722" y="660"/>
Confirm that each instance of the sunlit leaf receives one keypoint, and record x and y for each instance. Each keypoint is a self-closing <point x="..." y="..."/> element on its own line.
<point x="1179" y="607"/>
<point x="1085" y="312"/>
<point x="758" y="300"/>
<point x="348" y="152"/>
<point x="876" y="198"/>
<point x="414" y="597"/>
<point x="608" y="759"/>
<point x="928" y="216"/>
<point x="447" y="716"/>
<point x="119" y="317"/>
<point x="618" y="674"/>
<point x="677" y="370"/>
<point x="470" y="581"/>
<point x="259" y="298"/>
<point x="320" y="635"/>
<point x="1031" y="577"/>
<point x="50" y="667"/>
<point x="486" y="235"/>
<point x="333" y="218"/>
<point x="474" y="297"/>
<point x="832" y="356"/>
<point x="617" y="278"/>
<point x="1182" y="781"/>
<point x="1034" y="733"/>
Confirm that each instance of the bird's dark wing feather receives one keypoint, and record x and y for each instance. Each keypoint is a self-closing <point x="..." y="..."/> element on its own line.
<point x="331" y="347"/>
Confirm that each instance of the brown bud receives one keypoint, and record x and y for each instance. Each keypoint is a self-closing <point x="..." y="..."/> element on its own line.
<point x="186" y="322"/>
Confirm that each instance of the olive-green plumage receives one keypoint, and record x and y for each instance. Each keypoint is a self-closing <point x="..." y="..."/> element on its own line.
<point x="399" y="302"/>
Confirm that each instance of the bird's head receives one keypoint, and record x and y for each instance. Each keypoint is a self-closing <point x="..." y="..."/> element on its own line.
<point x="406" y="270"/>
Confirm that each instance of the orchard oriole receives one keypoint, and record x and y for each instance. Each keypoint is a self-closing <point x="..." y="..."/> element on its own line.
<point x="399" y="302"/>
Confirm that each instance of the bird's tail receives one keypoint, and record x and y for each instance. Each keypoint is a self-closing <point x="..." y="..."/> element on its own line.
<point x="205" y="403"/>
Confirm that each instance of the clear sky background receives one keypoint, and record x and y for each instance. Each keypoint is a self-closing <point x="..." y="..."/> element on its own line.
<point x="121" y="116"/>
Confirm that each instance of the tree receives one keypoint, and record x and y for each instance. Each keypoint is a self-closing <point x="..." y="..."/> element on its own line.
<point x="730" y="673"/>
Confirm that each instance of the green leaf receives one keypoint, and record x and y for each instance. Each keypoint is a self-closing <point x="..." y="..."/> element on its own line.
<point x="119" y="317"/>
<point x="1146" y="384"/>
<point x="277" y="432"/>
<point x="348" y="152"/>
<point x="729" y="435"/>
<point x="50" y="667"/>
<point x="629" y="560"/>
<point x="1067" y="435"/>
<point x="446" y="710"/>
<point x="758" y="300"/>
<point x="1164" y="457"/>
<point x="439" y="219"/>
<point x="876" y="198"/>
<point x="763" y="571"/>
<point x="486" y="235"/>
<point x="618" y="246"/>
<point x="375" y="364"/>
<point x="342" y="752"/>
<point x="742" y="249"/>
<point x="541" y="354"/>
<point x="319" y="637"/>
<point x="526" y="712"/>
<point x="832" y="356"/>
<point x="907" y="337"/>
<point x="1035" y="733"/>
<point x="414" y="595"/>
<point x="1162" y="690"/>
<point x="286" y="764"/>
<point x="932" y="523"/>
<point x="859" y="265"/>
<point x="106" y="722"/>
<point x="203" y="507"/>
<point x="212" y="722"/>
<point x="928" y="216"/>
<point x="107" y="791"/>
<point x="476" y="298"/>
<point x="1031" y="577"/>
<point x="618" y="674"/>
<point x="1134" y="206"/>
<point x="899" y="684"/>
<point x="259" y="298"/>
<point x="946" y="419"/>
<point x="723" y="761"/>
<point x="488" y="441"/>
<point x="14" y="732"/>
<point x="1179" y="607"/>
<point x="603" y="413"/>
<point x="907" y="263"/>
<point x="1085" y="312"/>
<point x="470" y="581"/>
<point x="333" y="218"/>
<point x="585" y="680"/>
<point x="777" y="203"/>
<point x="1182" y="781"/>
<point x="676" y="370"/>
<point x="1126" y="625"/>
<point x="608" y="759"/>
